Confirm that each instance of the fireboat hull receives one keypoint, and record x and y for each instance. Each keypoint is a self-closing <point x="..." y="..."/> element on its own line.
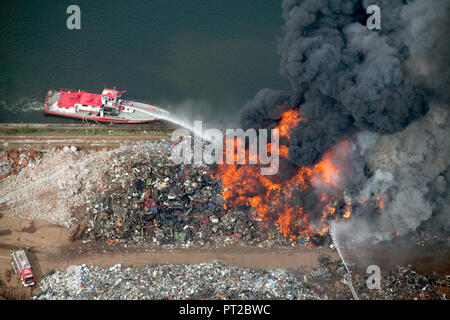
<point x="107" y="107"/>
<point x="99" y="119"/>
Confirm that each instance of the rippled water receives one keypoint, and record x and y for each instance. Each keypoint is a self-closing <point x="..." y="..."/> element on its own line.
<point x="215" y="53"/>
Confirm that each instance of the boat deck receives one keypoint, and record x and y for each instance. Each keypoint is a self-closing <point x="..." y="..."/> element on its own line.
<point x="142" y="112"/>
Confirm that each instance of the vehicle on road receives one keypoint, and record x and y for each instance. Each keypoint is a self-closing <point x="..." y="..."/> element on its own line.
<point x="22" y="266"/>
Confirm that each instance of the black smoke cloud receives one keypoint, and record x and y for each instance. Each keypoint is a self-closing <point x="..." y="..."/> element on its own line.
<point x="265" y="109"/>
<point x="345" y="78"/>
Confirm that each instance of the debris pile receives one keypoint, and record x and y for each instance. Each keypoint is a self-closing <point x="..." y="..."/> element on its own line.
<point x="50" y="189"/>
<point x="203" y="281"/>
<point x="403" y="283"/>
<point x="14" y="160"/>
<point x="134" y="194"/>
<point x="429" y="233"/>
<point x="144" y="198"/>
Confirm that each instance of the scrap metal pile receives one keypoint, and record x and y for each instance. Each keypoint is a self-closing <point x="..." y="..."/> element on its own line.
<point x="203" y="281"/>
<point x="143" y="198"/>
<point x="135" y="195"/>
<point x="14" y="160"/>
<point x="219" y="281"/>
<point x="404" y="282"/>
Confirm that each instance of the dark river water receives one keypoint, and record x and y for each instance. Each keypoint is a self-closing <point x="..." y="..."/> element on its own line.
<point x="206" y="58"/>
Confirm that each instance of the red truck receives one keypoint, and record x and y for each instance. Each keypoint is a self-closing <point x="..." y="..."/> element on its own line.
<point x="22" y="266"/>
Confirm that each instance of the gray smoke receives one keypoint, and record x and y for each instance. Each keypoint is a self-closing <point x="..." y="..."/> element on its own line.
<point x="427" y="26"/>
<point x="412" y="170"/>
<point x="347" y="79"/>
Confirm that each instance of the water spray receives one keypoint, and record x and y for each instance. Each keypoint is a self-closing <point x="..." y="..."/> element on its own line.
<point x="172" y="119"/>
<point x="348" y="276"/>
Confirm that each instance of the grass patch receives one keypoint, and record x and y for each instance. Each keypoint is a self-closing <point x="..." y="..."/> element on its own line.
<point x="26" y="130"/>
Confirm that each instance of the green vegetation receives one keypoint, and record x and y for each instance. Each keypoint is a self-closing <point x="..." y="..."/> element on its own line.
<point x="27" y="131"/>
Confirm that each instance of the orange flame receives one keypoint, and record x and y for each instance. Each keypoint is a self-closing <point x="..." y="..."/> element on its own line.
<point x="381" y="203"/>
<point x="274" y="199"/>
<point x="348" y="212"/>
<point x="289" y="121"/>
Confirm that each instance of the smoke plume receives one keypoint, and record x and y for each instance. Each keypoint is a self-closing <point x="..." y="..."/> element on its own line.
<point x="350" y="82"/>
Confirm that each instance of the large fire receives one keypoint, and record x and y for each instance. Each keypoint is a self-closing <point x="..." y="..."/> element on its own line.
<point x="281" y="201"/>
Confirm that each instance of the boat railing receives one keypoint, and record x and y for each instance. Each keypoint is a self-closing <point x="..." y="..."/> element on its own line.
<point x="129" y="101"/>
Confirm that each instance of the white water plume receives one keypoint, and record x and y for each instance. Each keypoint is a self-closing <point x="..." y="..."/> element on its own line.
<point x="348" y="280"/>
<point x="175" y="120"/>
<point x="337" y="244"/>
